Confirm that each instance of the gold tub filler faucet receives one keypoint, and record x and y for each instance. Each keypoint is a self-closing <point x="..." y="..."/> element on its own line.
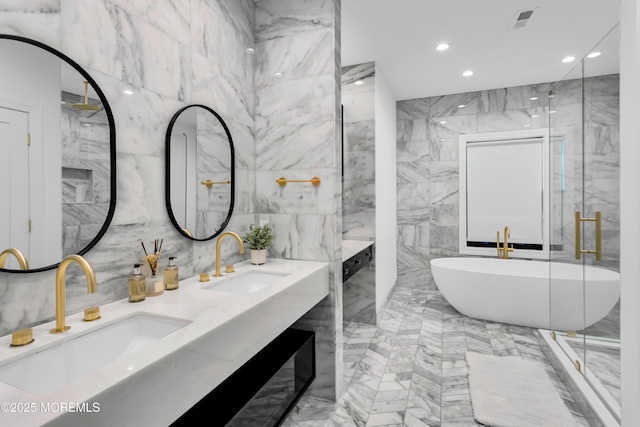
<point x="503" y="251"/>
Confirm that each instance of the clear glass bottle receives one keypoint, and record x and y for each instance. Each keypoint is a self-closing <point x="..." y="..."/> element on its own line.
<point x="171" y="275"/>
<point x="137" y="290"/>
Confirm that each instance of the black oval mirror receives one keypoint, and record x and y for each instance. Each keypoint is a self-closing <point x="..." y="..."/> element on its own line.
<point x="200" y="172"/>
<point x="58" y="162"/>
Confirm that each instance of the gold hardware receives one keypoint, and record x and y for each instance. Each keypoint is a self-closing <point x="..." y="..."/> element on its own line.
<point x="553" y="335"/>
<point x="28" y="138"/>
<point x="577" y="365"/>
<point x="283" y="181"/>
<point x="204" y="277"/>
<point x="187" y="232"/>
<point x="91" y="314"/>
<point x="85" y="105"/>
<point x="21" y="337"/>
<point x="222" y="236"/>
<point x="210" y="183"/>
<point x="22" y="260"/>
<point x="61" y="288"/>
<point x="229" y="268"/>
<point x="572" y="334"/>
<point x="30" y="224"/>
<point x="578" y="245"/>
<point x="503" y="252"/>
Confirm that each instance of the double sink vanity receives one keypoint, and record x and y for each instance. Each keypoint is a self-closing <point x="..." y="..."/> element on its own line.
<point x="148" y="363"/>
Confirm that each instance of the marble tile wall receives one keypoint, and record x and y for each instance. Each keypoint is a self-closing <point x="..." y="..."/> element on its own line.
<point x="297" y="119"/>
<point x="359" y="192"/>
<point x="171" y="54"/>
<point x="427" y="161"/>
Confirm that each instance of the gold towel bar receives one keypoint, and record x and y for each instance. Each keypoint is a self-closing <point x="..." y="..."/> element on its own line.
<point x="283" y="181"/>
<point x="209" y="183"/>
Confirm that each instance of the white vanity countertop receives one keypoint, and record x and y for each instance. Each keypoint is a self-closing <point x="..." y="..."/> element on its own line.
<point x="352" y="247"/>
<point x="215" y="316"/>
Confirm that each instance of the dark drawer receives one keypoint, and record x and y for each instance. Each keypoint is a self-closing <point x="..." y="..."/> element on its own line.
<point x="356" y="262"/>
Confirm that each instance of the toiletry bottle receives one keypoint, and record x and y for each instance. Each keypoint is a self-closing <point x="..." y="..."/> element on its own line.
<point x="171" y="275"/>
<point x="137" y="291"/>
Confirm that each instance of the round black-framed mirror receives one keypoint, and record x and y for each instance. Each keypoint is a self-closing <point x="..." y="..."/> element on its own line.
<point x="199" y="172"/>
<point x="63" y="195"/>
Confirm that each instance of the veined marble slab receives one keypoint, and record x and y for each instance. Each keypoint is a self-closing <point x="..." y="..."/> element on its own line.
<point x="352" y="247"/>
<point x="159" y="382"/>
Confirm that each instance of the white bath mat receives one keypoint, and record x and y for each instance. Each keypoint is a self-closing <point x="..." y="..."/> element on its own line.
<point x="512" y="392"/>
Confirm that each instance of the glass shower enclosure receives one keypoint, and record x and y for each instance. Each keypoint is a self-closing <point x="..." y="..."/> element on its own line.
<point x="584" y="286"/>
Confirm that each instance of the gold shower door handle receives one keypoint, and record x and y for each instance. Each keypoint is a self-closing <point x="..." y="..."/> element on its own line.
<point x="598" y="221"/>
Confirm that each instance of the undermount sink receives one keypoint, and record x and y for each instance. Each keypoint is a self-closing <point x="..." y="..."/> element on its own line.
<point x="246" y="283"/>
<point x="57" y="366"/>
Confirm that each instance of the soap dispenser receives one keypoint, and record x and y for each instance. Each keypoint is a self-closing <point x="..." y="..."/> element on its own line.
<point x="171" y="275"/>
<point x="137" y="290"/>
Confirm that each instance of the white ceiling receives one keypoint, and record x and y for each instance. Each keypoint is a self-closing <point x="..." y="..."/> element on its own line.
<point x="401" y="37"/>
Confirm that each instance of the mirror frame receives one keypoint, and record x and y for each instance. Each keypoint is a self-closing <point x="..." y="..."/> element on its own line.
<point x="168" y="173"/>
<point x="112" y="147"/>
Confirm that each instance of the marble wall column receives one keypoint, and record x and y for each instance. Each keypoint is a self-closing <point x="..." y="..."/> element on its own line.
<point x="427" y="161"/>
<point x="297" y="88"/>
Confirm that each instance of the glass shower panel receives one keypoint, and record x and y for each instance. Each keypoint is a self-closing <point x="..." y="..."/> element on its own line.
<point x="566" y="296"/>
<point x="602" y="194"/>
<point x="585" y="223"/>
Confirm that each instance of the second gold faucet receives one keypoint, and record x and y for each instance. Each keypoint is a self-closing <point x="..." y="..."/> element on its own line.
<point x="218" y="244"/>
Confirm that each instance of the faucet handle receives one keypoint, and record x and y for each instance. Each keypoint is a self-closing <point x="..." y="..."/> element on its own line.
<point x="91" y="313"/>
<point x="22" y="337"/>
<point x="229" y="268"/>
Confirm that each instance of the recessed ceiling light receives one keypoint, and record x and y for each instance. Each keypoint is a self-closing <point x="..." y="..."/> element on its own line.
<point x="468" y="73"/>
<point x="250" y="50"/>
<point x="461" y="106"/>
<point x="533" y="98"/>
<point x="442" y="46"/>
<point x="551" y="96"/>
<point x="277" y="75"/>
<point x="62" y="102"/>
<point x="594" y="54"/>
<point x="127" y="92"/>
<point x="527" y="126"/>
<point x="569" y="59"/>
<point x="87" y="124"/>
<point x="552" y="112"/>
<point x="358" y="82"/>
<point x="443" y="122"/>
<point x="535" y="115"/>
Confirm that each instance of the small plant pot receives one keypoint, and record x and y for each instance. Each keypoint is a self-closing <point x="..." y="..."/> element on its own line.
<point x="258" y="256"/>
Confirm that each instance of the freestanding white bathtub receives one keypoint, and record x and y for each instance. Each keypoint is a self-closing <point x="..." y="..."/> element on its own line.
<point x="521" y="292"/>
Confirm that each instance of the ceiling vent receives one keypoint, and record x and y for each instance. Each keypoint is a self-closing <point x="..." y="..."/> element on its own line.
<point x="522" y="18"/>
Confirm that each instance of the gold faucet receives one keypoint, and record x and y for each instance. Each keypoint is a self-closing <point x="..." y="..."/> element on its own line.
<point x="61" y="288"/>
<point x="503" y="252"/>
<point x="22" y="260"/>
<point x="222" y="236"/>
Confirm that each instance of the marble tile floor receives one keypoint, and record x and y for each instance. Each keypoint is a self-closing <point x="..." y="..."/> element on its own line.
<point x="410" y="370"/>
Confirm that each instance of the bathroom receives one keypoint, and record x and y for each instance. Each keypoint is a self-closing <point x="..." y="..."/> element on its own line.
<point x="173" y="54"/>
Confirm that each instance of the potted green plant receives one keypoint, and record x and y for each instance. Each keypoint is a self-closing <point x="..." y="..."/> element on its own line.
<point x="258" y="238"/>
